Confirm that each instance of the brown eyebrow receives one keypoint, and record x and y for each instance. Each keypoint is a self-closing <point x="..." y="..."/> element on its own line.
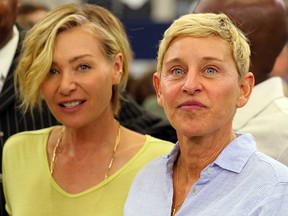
<point x="208" y="58"/>
<point x="212" y="58"/>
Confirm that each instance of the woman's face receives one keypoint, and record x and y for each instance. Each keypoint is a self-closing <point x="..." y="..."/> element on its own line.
<point x="78" y="88"/>
<point x="199" y="87"/>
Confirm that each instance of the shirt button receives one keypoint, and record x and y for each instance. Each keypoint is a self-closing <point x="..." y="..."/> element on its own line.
<point x="209" y="171"/>
<point x="194" y="191"/>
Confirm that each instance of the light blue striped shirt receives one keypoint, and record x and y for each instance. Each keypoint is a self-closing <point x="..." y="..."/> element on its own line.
<point x="241" y="181"/>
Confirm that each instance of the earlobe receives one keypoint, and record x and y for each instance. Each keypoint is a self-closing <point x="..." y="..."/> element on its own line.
<point x="246" y="85"/>
<point x="156" y="83"/>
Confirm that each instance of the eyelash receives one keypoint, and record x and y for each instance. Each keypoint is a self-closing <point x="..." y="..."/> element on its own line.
<point x="175" y="70"/>
<point x="84" y="65"/>
<point x="52" y="72"/>
<point x="207" y="71"/>
<point x="210" y="68"/>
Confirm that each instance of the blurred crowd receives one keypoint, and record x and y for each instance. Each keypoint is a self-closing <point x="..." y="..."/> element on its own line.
<point x="157" y="11"/>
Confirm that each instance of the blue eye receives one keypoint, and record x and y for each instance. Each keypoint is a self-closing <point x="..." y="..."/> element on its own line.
<point x="211" y="71"/>
<point x="84" y="67"/>
<point x="177" y="71"/>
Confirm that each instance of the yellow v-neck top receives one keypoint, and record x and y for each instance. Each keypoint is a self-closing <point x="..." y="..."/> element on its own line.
<point x="30" y="189"/>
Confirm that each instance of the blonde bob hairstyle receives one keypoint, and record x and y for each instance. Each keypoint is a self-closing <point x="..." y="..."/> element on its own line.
<point x="37" y="49"/>
<point x="207" y="25"/>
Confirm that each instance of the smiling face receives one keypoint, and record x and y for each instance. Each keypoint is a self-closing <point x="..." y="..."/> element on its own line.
<point x="199" y="87"/>
<point x="78" y="88"/>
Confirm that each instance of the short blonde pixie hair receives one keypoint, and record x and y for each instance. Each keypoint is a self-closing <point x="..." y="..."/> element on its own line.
<point x="37" y="49"/>
<point x="207" y="25"/>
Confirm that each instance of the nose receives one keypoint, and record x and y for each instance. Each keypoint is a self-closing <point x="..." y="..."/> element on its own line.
<point x="192" y="83"/>
<point x="67" y="83"/>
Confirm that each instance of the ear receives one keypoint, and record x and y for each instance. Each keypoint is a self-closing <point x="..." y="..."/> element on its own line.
<point x="246" y="86"/>
<point x="117" y="68"/>
<point x="156" y="83"/>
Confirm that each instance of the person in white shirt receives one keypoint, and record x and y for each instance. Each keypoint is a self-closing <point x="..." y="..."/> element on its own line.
<point x="7" y="53"/>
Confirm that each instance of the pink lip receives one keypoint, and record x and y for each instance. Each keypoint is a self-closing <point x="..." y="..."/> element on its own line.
<point x="188" y="105"/>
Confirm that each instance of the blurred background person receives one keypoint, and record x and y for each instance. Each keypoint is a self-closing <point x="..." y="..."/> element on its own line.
<point x="143" y="92"/>
<point x="265" y="115"/>
<point x="30" y="13"/>
<point x="51" y="4"/>
<point x="281" y="64"/>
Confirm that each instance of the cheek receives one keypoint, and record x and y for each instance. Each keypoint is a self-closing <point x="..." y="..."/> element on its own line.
<point x="46" y="89"/>
<point x="102" y="90"/>
<point x="169" y="94"/>
<point x="227" y="97"/>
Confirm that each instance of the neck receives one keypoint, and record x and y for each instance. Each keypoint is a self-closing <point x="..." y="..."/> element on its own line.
<point x="197" y="153"/>
<point x="89" y="139"/>
<point x="83" y="153"/>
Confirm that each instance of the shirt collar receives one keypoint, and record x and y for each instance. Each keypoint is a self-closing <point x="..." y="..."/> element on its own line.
<point x="172" y="156"/>
<point x="232" y="158"/>
<point x="237" y="153"/>
<point x="8" y="51"/>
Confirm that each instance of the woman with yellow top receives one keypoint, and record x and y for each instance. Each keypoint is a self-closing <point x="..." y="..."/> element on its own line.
<point x="76" y="60"/>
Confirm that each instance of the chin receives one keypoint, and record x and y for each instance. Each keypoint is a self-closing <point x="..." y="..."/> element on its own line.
<point x="189" y="131"/>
